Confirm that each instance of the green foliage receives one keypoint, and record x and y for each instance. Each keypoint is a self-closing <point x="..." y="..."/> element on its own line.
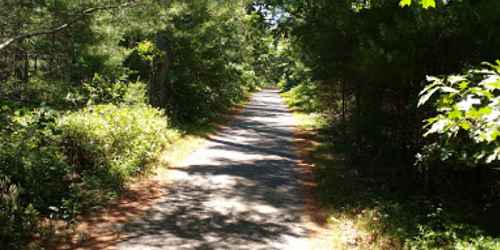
<point x="56" y="164"/>
<point x="114" y="140"/>
<point x="365" y="214"/>
<point x="207" y="57"/>
<point x="368" y="61"/>
<point x="31" y="158"/>
<point x="296" y="84"/>
<point x="148" y="50"/>
<point x="303" y="97"/>
<point x="32" y="177"/>
<point x="37" y="92"/>
<point x="451" y="236"/>
<point x="466" y="121"/>
<point x="371" y="59"/>
<point x="135" y="93"/>
<point x="101" y="90"/>
<point x="16" y="220"/>
<point x="425" y="3"/>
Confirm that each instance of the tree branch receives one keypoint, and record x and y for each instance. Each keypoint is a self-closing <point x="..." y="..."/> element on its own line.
<point x="56" y="29"/>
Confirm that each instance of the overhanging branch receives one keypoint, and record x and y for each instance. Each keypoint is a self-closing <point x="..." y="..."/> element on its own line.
<point x="58" y="28"/>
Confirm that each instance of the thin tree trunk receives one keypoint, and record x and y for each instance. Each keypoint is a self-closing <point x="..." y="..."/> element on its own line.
<point x="344" y="125"/>
<point x="35" y="64"/>
<point x="26" y="74"/>
<point x="158" y="86"/>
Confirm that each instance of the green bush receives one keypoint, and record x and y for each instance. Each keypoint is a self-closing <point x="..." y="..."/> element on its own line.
<point x="32" y="177"/>
<point x="114" y="140"/>
<point x="31" y="157"/>
<point x="451" y="236"/>
<point x="56" y="164"/>
<point x="16" y="220"/>
<point x="303" y="97"/>
<point x="466" y="124"/>
<point x="101" y="90"/>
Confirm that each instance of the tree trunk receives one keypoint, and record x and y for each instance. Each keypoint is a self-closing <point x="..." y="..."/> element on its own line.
<point x="158" y="85"/>
<point x="26" y="67"/>
<point x="344" y="125"/>
<point x="35" y="66"/>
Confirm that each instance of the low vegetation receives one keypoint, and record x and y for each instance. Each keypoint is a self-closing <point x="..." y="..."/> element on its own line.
<point x="365" y="213"/>
<point x="59" y="164"/>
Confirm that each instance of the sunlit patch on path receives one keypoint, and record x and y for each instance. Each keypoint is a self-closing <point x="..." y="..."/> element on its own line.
<point x="239" y="191"/>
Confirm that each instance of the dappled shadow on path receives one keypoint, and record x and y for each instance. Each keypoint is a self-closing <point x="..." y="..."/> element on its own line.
<point x="240" y="191"/>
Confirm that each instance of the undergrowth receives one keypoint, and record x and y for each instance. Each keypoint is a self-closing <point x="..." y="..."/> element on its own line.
<point x="58" y="164"/>
<point x="364" y="214"/>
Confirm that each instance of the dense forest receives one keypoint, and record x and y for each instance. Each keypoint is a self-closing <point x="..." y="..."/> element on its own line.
<point x="410" y="94"/>
<point x="91" y="91"/>
<point x="407" y="93"/>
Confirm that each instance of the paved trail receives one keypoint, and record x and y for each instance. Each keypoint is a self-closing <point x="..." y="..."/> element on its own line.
<point x="239" y="191"/>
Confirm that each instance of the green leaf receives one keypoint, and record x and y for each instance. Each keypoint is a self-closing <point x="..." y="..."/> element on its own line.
<point x="435" y="82"/>
<point x="485" y="110"/>
<point x="449" y="90"/>
<point x="492" y="85"/>
<point x="424" y="98"/>
<point x="463" y="85"/>
<point x="438" y="127"/>
<point x="455" y="114"/>
<point x="428" y="3"/>
<point x="473" y="113"/>
<point x="465" y="125"/>
<point x="404" y="3"/>
<point x="432" y="120"/>
<point x="454" y="79"/>
<point x="481" y="92"/>
<point x="494" y="135"/>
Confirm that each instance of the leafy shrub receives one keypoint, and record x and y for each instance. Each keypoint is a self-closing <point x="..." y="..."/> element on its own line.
<point x="286" y="85"/>
<point x="32" y="159"/>
<point x="135" y="94"/>
<point x="452" y="236"/>
<point x="16" y="220"/>
<point x="114" y="140"/>
<point x="101" y="90"/>
<point x="303" y="97"/>
<point x="55" y="164"/>
<point x="467" y="120"/>
<point x="141" y="60"/>
<point x="248" y="77"/>
<point x="148" y="51"/>
<point x="32" y="177"/>
<point x="295" y="74"/>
